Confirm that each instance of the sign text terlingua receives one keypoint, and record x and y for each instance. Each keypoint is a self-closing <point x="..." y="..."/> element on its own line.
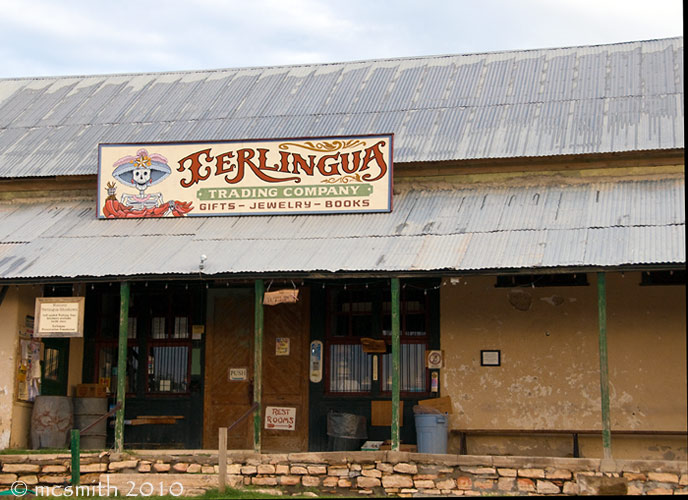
<point x="252" y="177"/>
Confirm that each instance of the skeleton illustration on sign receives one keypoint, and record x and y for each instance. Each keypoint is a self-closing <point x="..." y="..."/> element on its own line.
<point x="141" y="172"/>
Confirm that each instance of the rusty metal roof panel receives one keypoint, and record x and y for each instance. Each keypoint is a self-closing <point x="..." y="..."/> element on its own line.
<point x="370" y="96"/>
<point x="633" y="244"/>
<point x="576" y="100"/>
<point x="481" y="228"/>
<point x="564" y="248"/>
<point x="433" y="89"/>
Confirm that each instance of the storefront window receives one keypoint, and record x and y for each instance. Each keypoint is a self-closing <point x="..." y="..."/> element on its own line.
<point x="412" y="367"/>
<point x="364" y="311"/>
<point x="168" y="368"/>
<point x="50" y="363"/>
<point x="159" y="339"/>
<point x="107" y="367"/>
<point x="350" y="368"/>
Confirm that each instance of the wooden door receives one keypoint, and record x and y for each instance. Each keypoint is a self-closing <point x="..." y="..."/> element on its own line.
<point x="285" y="376"/>
<point x="228" y="344"/>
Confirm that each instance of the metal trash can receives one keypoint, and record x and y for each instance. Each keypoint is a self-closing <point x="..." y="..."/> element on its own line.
<point x="345" y="431"/>
<point x="87" y="411"/>
<point x="431" y="432"/>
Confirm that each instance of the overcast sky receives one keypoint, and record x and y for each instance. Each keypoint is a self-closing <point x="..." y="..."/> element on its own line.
<point x="77" y="37"/>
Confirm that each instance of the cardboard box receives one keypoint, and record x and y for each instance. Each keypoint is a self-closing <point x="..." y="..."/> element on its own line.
<point x="91" y="391"/>
<point x="443" y="404"/>
<point x="372" y="445"/>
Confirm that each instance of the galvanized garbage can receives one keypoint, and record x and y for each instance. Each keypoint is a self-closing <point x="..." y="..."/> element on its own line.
<point x="431" y="432"/>
<point x="345" y="431"/>
<point x="87" y="411"/>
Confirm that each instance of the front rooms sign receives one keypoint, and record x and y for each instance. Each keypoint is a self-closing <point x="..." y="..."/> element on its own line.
<point x="280" y="418"/>
<point x="280" y="176"/>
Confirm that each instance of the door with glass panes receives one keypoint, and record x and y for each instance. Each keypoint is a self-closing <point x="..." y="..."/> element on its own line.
<point x="358" y="311"/>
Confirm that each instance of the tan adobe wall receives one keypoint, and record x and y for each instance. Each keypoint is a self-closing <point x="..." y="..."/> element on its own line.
<point x="549" y="373"/>
<point x="14" y="415"/>
<point x="19" y="303"/>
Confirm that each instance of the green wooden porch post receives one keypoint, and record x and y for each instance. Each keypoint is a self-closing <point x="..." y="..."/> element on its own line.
<point x="604" y="370"/>
<point x="258" y="361"/>
<point x="122" y="363"/>
<point x="396" y="347"/>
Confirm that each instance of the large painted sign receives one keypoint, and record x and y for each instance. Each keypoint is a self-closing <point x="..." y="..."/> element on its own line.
<point x="256" y="177"/>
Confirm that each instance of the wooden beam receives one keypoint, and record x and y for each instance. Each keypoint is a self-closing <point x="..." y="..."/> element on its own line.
<point x="396" y="348"/>
<point x="122" y="363"/>
<point x="604" y="370"/>
<point x="222" y="459"/>
<point x="544" y="178"/>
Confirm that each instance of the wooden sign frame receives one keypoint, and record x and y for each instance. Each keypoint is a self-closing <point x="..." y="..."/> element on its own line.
<point x="285" y="296"/>
<point x="58" y="317"/>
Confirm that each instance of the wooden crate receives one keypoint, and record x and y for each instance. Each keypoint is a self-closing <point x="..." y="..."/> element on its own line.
<point x="91" y="391"/>
<point x="411" y="448"/>
<point x="381" y="413"/>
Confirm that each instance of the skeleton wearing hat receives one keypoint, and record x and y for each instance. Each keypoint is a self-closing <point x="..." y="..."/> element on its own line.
<point x="141" y="171"/>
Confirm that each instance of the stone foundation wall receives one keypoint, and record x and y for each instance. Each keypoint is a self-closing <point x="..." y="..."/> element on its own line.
<point x="370" y="473"/>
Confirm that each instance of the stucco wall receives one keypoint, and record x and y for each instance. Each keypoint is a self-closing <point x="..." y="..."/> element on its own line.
<point x="647" y="354"/>
<point x="18" y="303"/>
<point x="549" y="373"/>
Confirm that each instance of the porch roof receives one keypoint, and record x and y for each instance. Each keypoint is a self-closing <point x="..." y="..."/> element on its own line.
<point x="479" y="228"/>
<point x="526" y="103"/>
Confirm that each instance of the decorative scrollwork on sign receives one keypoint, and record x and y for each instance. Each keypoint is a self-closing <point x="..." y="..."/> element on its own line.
<point x="345" y="179"/>
<point x="324" y="146"/>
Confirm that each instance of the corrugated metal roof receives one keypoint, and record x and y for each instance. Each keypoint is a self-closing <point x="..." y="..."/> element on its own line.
<point x="473" y="228"/>
<point x="594" y="99"/>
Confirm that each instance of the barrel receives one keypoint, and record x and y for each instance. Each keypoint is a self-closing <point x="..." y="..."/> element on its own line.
<point x="51" y="422"/>
<point x="87" y="411"/>
<point x="345" y="431"/>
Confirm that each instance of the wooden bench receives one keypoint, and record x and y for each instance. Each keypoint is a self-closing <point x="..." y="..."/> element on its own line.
<point x="154" y="420"/>
<point x="463" y="433"/>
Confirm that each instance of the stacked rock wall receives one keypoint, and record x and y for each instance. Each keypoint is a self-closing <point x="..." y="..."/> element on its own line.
<point x="382" y="473"/>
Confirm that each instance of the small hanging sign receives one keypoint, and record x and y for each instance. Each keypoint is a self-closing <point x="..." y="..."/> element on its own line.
<point x="59" y="317"/>
<point x="434" y="360"/>
<point x="197" y="332"/>
<point x="286" y="296"/>
<point x="373" y="345"/>
<point x="237" y="374"/>
<point x="282" y="346"/>
<point x="280" y="418"/>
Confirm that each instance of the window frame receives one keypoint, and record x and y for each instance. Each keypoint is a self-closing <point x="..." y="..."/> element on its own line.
<point x="145" y="305"/>
<point x="170" y="339"/>
<point x="669" y="277"/>
<point x="382" y="293"/>
<point x="541" y="280"/>
<point x="102" y="342"/>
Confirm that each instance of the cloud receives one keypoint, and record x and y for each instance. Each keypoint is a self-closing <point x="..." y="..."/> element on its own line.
<point x="43" y="37"/>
